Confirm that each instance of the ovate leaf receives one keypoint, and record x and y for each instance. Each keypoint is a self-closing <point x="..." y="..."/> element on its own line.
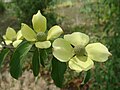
<point x="36" y="62"/>
<point x="3" y="54"/>
<point x="86" y="77"/>
<point x="17" y="59"/>
<point x="58" y="70"/>
<point x="43" y="57"/>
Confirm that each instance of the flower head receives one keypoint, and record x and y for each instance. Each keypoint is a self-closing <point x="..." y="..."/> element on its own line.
<point x="12" y="37"/>
<point x="75" y="49"/>
<point x="38" y="35"/>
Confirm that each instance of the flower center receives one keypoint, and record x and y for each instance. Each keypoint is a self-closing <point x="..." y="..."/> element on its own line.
<point x="41" y="36"/>
<point x="13" y="39"/>
<point x="79" y="50"/>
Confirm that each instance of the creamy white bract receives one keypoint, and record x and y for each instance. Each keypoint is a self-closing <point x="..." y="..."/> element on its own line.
<point x="75" y="50"/>
<point x="38" y="35"/>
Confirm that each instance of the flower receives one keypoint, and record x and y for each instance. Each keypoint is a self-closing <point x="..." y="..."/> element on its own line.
<point x="38" y="35"/>
<point x="74" y="48"/>
<point x="0" y="47"/>
<point x="12" y="37"/>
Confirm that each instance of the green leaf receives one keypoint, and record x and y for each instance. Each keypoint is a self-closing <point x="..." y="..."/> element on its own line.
<point x="43" y="57"/>
<point x="17" y="59"/>
<point x="36" y="62"/>
<point x="86" y="77"/>
<point x="58" y="70"/>
<point x="3" y="54"/>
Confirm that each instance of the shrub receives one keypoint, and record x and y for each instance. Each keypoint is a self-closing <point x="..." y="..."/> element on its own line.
<point x="26" y="8"/>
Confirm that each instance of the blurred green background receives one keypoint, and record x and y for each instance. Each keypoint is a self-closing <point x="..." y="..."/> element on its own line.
<point x="100" y="19"/>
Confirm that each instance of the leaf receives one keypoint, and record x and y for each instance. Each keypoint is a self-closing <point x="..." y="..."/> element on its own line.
<point x="17" y="59"/>
<point x="3" y="54"/>
<point x="87" y="77"/>
<point x="36" y="62"/>
<point x="58" y="70"/>
<point x="43" y="57"/>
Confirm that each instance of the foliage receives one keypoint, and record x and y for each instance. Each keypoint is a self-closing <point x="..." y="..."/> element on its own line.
<point x="2" y="7"/>
<point x="3" y="54"/>
<point x="58" y="70"/>
<point x="17" y="59"/>
<point x="105" y="29"/>
<point x="112" y="28"/>
<point x="26" y="8"/>
<point x="106" y="14"/>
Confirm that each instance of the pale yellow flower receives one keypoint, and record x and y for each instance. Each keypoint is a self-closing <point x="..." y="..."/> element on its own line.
<point x="12" y="37"/>
<point x="38" y="35"/>
<point x="74" y="48"/>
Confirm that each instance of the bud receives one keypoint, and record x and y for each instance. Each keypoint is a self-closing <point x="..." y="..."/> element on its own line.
<point x="41" y="36"/>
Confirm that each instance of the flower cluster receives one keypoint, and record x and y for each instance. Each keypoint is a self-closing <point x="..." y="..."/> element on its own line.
<point x="73" y="48"/>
